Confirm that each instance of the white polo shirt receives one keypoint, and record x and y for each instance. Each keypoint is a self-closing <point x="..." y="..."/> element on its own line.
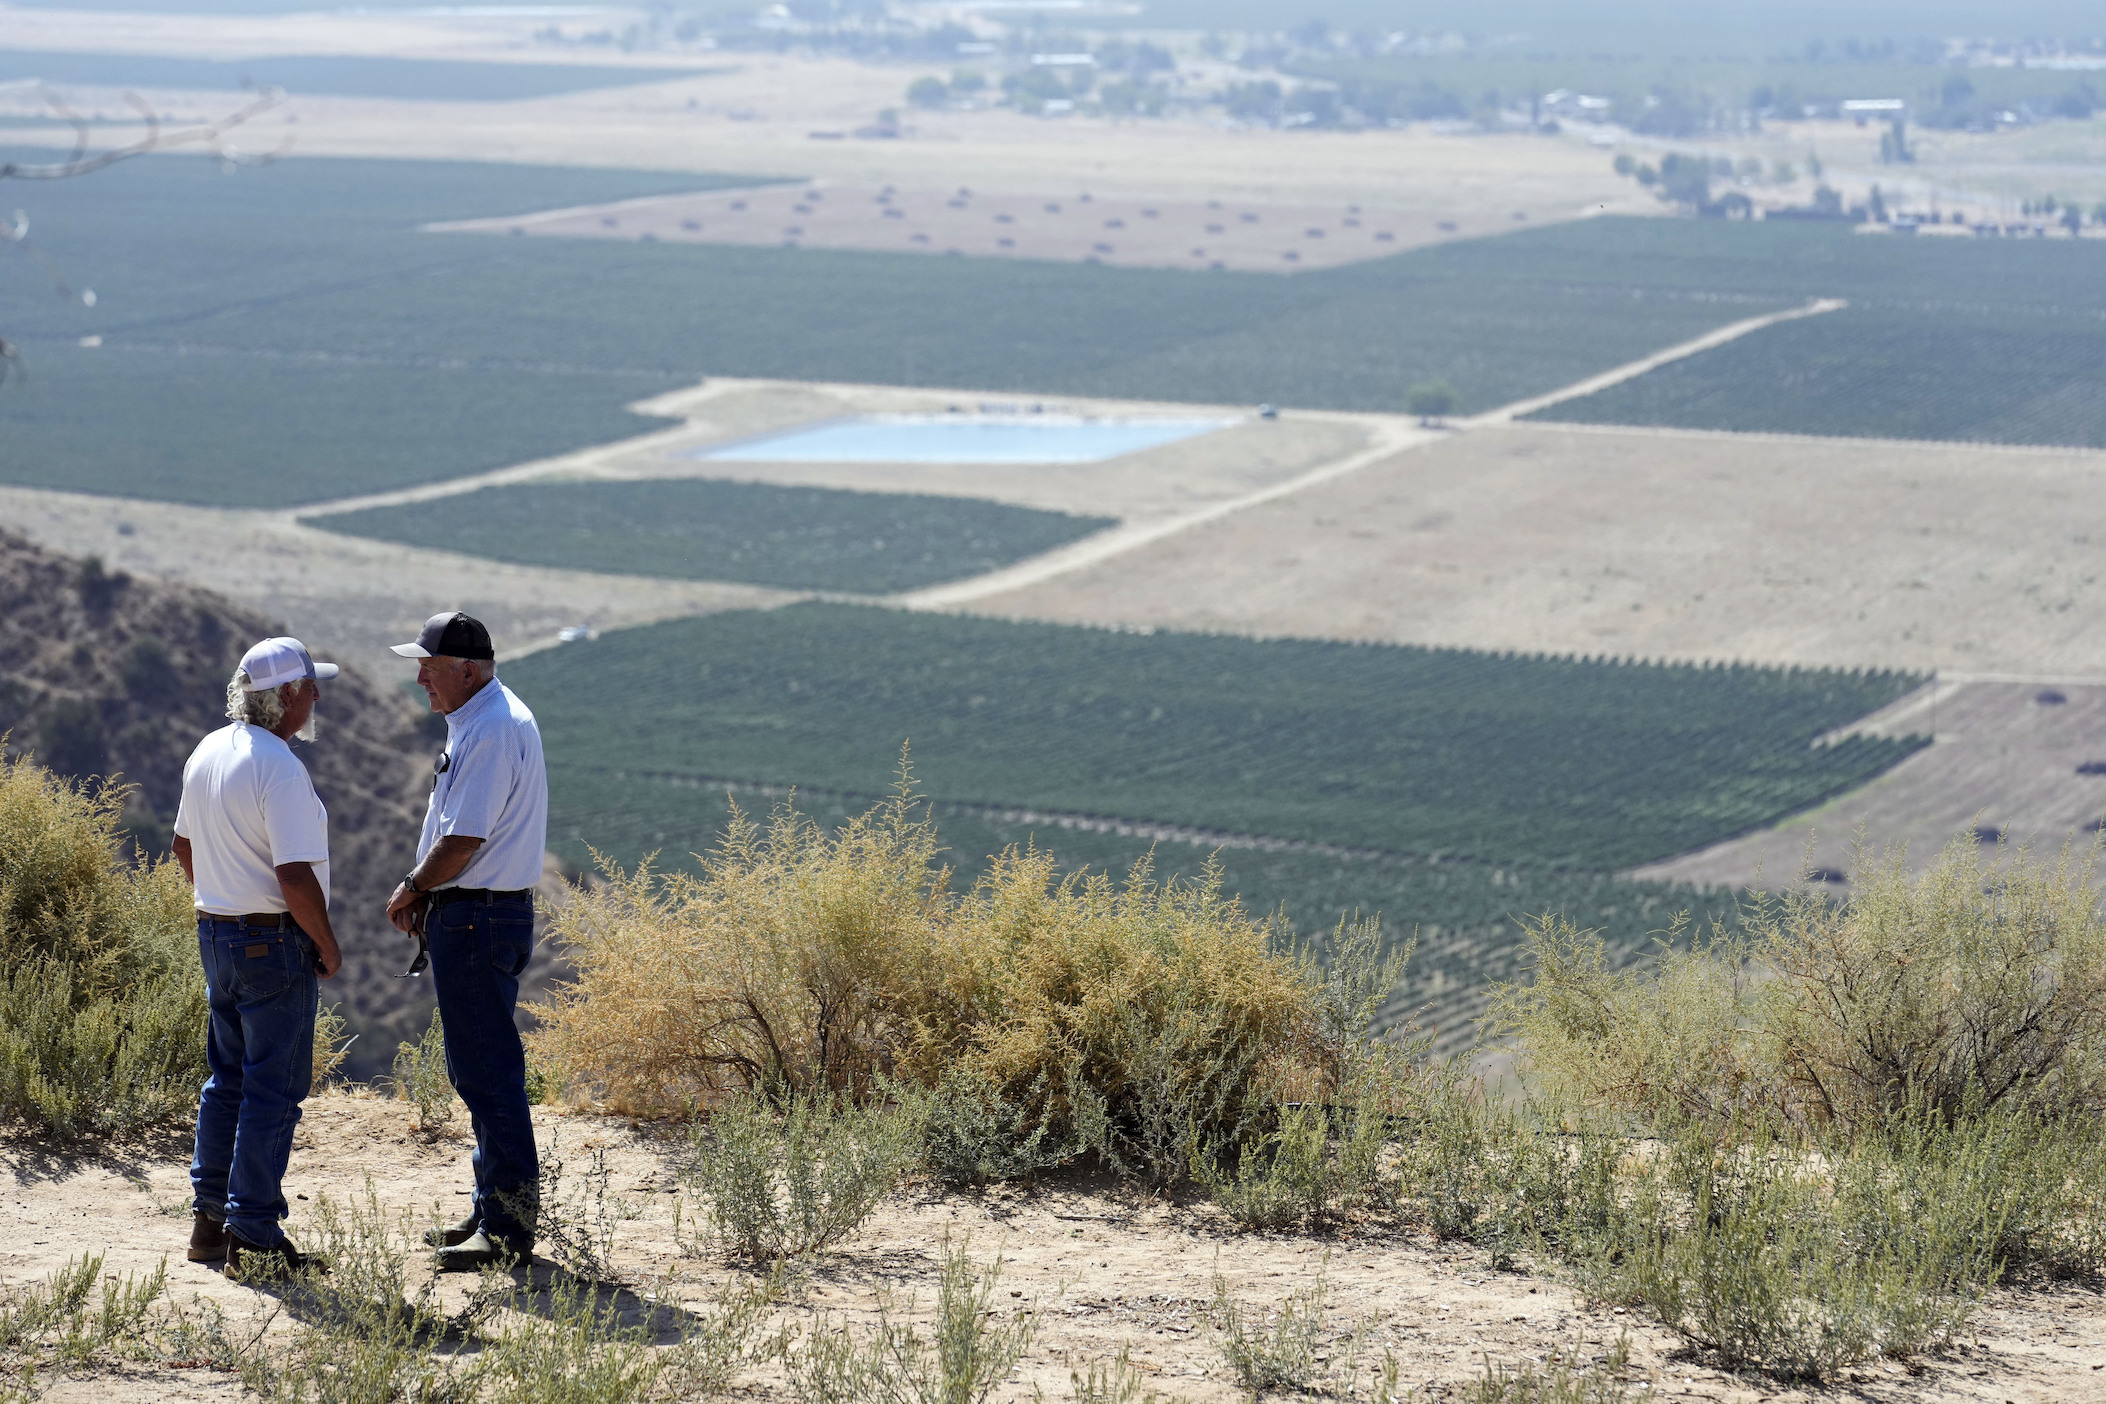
<point x="248" y="805"/>
<point x="493" y="787"/>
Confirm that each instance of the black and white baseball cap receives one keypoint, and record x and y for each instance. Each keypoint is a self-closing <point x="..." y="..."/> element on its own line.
<point x="276" y="662"/>
<point x="449" y="635"/>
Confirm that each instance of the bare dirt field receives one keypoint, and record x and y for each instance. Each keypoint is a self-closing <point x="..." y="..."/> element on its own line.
<point x="1079" y="228"/>
<point x="2005" y="767"/>
<point x="1099" y="1269"/>
<point x="1654" y="544"/>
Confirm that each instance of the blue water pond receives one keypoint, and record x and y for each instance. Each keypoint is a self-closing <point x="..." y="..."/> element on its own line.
<point x="958" y="438"/>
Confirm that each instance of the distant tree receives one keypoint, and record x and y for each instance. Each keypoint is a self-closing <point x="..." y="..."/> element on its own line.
<point x="1828" y="200"/>
<point x="928" y="92"/>
<point x="968" y="80"/>
<point x="2073" y="219"/>
<point x="1686" y="180"/>
<point x="1878" y="205"/>
<point x="1431" y="400"/>
<point x="1784" y="173"/>
<point x="2078" y="103"/>
<point x="1626" y="164"/>
<point x="1813" y="164"/>
<point x="2098" y="213"/>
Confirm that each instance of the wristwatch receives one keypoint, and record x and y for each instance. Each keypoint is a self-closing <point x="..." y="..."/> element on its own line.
<point x="410" y="883"/>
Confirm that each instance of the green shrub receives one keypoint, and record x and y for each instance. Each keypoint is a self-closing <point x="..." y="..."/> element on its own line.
<point x="1769" y="1257"/>
<point x="973" y="1134"/>
<point x="81" y="1320"/>
<point x="421" y="1078"/>
<point x="1113" y="1381"/>
<point x="102" y="998"/>
<point x="969" y="1352"/>
<point x="1294" y="1348"/>
<point x="1555" y="1383"/>
<point x="781" y="1182"/>
<point x="372" y="1329"/>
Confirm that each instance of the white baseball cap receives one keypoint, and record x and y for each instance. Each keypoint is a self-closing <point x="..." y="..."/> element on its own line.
<point x="276" y="662"/>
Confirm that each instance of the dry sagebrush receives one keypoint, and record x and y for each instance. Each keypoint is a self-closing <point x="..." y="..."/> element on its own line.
<point x="102" y="1000"/>
<point x="1979" y="983"/>
<point x="1126" y="1015"/>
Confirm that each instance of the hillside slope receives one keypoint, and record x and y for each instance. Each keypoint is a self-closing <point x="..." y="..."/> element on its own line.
<point x="104" y="674"/>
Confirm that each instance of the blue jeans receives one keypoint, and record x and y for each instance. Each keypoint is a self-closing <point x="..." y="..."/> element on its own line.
<point x="479" y="948"/>
<point x="259" y="1044"/>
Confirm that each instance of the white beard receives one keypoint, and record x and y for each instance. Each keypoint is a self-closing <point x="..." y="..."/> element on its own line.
<point x="310" y="730"/>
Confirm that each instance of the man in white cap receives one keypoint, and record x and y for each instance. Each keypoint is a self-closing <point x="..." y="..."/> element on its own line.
<point x="471" y="898"/>
<point x="253" y="839"/>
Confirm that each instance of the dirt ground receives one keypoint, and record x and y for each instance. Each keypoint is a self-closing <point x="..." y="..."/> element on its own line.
<point x="1079" y="228"/>
<point x="1651" y="544"/>
<point x="1099" y="1268"/>
<point x="2005" y="763"/>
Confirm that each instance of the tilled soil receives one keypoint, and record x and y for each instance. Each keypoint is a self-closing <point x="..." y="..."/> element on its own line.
<point x="1100" y="1268"/>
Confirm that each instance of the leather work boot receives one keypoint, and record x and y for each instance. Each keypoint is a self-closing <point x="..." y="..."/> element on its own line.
<point x="478" y="1250"/>
<point x="454" y="1235"/>
<point x="208" y="1238"/>
<point x="252" y="1262"/>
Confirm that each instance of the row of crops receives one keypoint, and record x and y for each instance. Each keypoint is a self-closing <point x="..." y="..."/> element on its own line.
<point x="1555" y="762"/>
<point x="1887" y="372"/>
<point x="755" y="533"/>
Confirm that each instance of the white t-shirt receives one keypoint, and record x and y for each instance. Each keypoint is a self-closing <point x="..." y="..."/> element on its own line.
<point x="249" y="805"/>
<point x="495" y="788"/>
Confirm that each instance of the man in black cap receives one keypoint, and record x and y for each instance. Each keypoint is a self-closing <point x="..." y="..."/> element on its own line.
<point x="471" y="896"/>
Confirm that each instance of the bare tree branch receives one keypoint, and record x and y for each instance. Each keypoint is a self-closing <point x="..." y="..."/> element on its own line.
<point x="211" y="135"/>
<point x="81" y="163"/>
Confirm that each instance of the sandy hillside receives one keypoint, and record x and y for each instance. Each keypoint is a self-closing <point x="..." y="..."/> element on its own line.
<point x="1100" y="1269"/>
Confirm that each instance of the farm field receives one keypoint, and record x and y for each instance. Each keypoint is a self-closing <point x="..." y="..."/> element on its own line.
<point x="1462" y="912"/>
<point x="2009" y="763"/>
<point x="2013" y="376"/>
<point x="1558" y="762"/>
<point x="1129" y="232"/>
<point x="281" y="336"/>
<point x="336" y="74"/>
<point x="751" y="533"/>
<point x="316" y="264"/>
<point x="292" y="301"/>
<point x="1644" y="543"/>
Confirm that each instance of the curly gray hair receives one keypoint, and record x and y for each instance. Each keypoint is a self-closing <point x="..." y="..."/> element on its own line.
<point x="265" y="709"/>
